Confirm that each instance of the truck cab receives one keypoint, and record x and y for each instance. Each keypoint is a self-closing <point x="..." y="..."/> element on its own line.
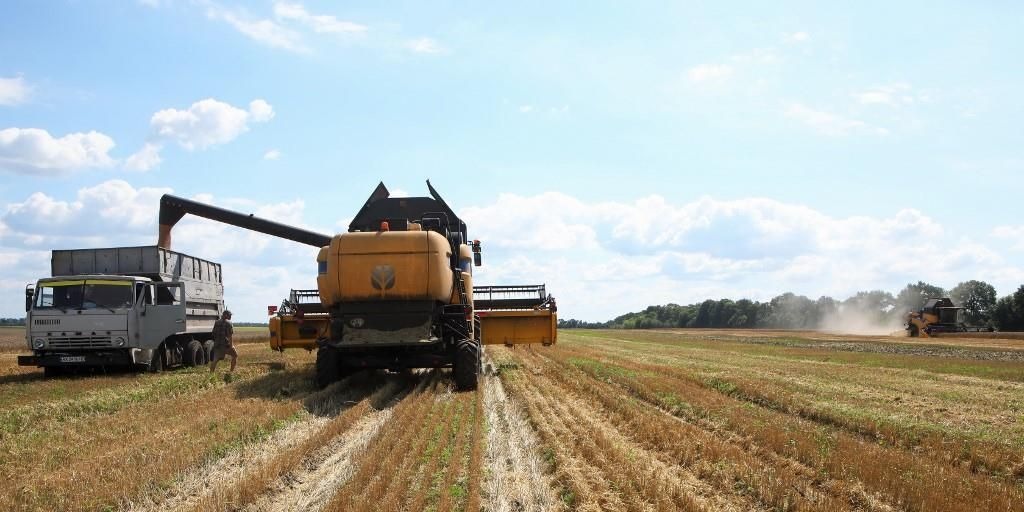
<point x="101" y="320"/>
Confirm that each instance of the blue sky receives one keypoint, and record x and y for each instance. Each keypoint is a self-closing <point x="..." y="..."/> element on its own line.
<point x="626" y="153"/>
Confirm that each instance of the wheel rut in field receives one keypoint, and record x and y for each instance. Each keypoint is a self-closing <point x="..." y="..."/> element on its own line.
<point x="385" y="473"/>
<point x="229" y="480"/>
<point x="310" y="486"/>
<point x="514" y="479"/>
<point x="600" y="464"/>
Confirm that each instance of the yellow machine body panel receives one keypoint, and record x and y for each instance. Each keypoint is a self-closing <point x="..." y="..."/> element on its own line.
<point x="386" y="265"/>
<point x="289" y="331"/>
<point x="519" y="327"/>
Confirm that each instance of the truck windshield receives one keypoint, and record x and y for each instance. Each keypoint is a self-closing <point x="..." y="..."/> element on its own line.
<point x="87" y="294"/>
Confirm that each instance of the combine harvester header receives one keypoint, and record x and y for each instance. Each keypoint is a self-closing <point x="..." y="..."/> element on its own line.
<point x="514" y="315"/>
<point x="508" y="315"/>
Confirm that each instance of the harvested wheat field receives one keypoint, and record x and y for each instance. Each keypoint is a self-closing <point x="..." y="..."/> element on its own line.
<point x="605" y="420"/>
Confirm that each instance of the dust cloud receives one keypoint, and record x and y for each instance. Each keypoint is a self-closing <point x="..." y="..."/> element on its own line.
<point x="867" y="323"/>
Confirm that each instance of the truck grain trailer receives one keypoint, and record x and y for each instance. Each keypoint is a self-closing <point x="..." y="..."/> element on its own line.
<point x="394" y="292"/>
<point x="146" y="307"/>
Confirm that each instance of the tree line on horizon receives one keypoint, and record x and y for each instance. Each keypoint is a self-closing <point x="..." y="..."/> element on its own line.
<point x="876" y="309"/>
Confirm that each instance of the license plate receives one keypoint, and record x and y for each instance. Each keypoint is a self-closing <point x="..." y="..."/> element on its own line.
<point x="72" y="359"/>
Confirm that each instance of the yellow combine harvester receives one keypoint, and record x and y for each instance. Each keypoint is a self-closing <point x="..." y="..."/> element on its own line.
<point x="939" y="315"/>
<point x="395" y="291"/>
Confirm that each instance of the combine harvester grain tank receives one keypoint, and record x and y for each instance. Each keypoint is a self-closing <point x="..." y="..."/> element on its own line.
<point x="393" y="292"/>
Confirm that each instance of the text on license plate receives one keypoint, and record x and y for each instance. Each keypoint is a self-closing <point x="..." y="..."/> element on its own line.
<point x="72" y="359"/>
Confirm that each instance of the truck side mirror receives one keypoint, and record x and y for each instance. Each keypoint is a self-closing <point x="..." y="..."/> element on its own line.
<point x="29" y="292"/>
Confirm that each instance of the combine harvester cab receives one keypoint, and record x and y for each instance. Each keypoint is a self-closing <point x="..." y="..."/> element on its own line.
<point x="516" y="315"/>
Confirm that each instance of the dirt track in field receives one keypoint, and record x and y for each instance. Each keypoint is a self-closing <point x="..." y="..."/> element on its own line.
<point x="605" y="420"/>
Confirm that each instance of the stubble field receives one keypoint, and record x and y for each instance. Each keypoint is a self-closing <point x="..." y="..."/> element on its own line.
<point x="606" y="420"/>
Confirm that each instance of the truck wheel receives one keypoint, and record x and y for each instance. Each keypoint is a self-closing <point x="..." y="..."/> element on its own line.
<point x="467" y="365"/>
<point x="912" y="330"/>
<point x="194" y="354"/>
<point x="156" y="365"/>
<point x="208" y="350"/>
<point x="327" y="366"/>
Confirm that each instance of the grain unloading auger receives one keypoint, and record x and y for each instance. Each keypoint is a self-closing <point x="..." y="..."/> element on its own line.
<point x="395" y="291"/>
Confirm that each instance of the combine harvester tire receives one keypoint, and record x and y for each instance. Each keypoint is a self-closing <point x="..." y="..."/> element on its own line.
<point x="328" y="367"/>
<point x="466" y="369"/>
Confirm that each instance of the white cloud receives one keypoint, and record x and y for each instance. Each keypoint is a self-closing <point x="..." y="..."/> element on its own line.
<point x="14" y="91"/>
<point x="797" y="37"/>
<point x="424" y="45"/>
<point x="756" y="56"/>
<point x="261" y="111"/>
<point x="893" y="95"/>
<point x="207" y="123"/>
<point x="272" y="154"/>
<point x="1009" y="232"/>
<point x="258" y="269"/>
<point x="144" y="159"/>
<point x="319" y="23"/>
<point x="35" y="151"/>
<point x="600" y="259"/>
<point x="112" y="210"/>
<point x="549" y="112"/>
<point x="1012" y="234"/>
<point x="710" y="73"/>
<point x="603" y="259"/>
<point x="264" y="31"/>
<point x="830" y="124"/>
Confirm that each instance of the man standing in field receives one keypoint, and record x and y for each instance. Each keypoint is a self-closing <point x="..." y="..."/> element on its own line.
<point x="222" y="333"/>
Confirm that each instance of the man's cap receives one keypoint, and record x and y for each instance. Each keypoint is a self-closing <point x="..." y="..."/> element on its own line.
<point x="227" y="312"/>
